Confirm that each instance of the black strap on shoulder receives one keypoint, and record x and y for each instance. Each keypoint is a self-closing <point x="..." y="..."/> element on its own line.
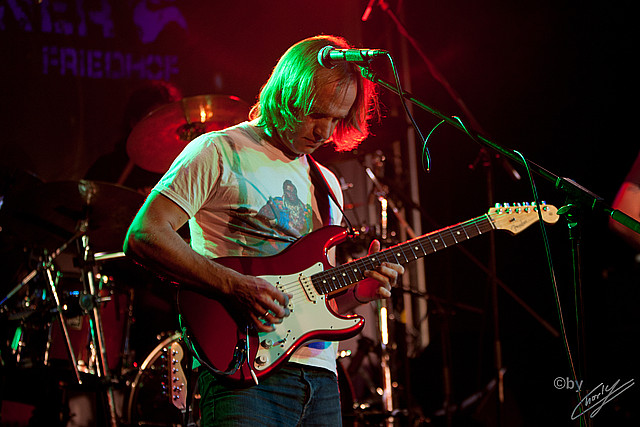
<point x="321" y="186"/>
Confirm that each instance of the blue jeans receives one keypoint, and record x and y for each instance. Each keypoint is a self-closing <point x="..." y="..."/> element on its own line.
<point x="296" y="395"/>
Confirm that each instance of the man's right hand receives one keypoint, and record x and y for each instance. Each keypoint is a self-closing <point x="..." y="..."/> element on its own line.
<point x="265" y="304"/>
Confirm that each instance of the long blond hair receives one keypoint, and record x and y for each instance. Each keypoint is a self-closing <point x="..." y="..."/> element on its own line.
<point x="288" y="94"/>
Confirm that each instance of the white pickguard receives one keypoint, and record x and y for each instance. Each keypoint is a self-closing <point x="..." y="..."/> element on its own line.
<point x="309" y="312"/>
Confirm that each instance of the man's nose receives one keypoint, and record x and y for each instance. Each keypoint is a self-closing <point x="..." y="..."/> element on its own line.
<point x="323" y="130"/>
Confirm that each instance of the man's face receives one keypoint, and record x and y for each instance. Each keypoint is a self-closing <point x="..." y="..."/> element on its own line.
<point x="332" y="104"/>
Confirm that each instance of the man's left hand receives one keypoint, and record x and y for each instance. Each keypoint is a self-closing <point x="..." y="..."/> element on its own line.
<point x="379" y="281"/>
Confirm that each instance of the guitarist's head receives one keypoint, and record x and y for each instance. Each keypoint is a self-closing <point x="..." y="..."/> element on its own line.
<point x="304" y="104"/>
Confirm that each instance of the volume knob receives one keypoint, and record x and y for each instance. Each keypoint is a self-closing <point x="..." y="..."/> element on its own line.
<point x="261" y="360"/>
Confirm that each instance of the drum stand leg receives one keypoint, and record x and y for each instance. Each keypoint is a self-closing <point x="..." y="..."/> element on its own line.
<point x="63" y="325"/>
<point x="97" y="334"/>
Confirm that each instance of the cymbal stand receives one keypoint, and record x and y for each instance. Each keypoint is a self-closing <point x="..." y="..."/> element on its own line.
<point x="91" y="305"/>
<point x="48" y="267"/>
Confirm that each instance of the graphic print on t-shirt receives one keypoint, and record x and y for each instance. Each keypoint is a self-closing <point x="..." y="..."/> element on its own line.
<point x="288" y="211"/>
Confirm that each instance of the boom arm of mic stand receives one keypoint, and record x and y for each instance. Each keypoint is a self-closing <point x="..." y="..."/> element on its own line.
<point x="578" y="193"/>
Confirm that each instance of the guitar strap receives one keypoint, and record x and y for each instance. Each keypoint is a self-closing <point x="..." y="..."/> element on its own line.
<point x="322" y="189"/>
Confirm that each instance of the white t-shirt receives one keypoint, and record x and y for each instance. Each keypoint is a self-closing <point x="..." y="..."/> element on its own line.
<point x="244" y="197"/>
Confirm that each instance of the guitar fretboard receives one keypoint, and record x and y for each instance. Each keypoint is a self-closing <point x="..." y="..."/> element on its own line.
<point x="339" y="277"/>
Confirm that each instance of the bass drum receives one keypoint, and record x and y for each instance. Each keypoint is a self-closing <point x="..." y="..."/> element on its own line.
<point x="157" y="394"/>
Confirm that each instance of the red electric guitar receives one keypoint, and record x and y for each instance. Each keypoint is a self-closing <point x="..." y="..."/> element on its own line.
<point x="225" y="341"/>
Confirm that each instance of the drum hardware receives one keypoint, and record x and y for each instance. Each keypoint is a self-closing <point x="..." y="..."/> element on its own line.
<point x="81" y="212"/>
<point x="127" y="356"/>
<point x="96" y="326"/>
<point x="47" y="266"/>
<point x="53" y="284"/>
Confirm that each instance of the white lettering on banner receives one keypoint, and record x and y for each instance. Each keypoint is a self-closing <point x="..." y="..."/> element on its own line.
<point x="98" y="64"/>
<point x="84" y="17"/>
<point x="19" y="15"/>
<point x="66" y="17"/>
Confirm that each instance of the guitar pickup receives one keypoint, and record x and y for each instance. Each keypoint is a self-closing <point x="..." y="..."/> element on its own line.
<point x="309" y="290"/>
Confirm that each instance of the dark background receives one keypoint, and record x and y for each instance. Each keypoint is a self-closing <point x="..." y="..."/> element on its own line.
<point x="549" y="79"/>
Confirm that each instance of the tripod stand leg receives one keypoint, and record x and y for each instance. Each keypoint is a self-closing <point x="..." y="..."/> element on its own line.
<point x="97" y="332"/>
<point x="63" y="325"/>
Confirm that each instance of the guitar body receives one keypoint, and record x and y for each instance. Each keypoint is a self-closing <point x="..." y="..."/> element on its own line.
<point x="219" y="332"/>
<point x="217" y="328"/>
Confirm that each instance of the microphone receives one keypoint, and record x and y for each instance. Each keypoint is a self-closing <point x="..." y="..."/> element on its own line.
<point x="329" y="56"/>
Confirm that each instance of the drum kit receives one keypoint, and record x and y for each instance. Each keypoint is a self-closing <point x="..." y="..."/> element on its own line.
<point x="71" y="299"/>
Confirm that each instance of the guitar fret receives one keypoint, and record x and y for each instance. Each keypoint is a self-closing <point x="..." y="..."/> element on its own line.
<point x="394" y="259"/>
<point x="400" y="252"/>
<point x="440" y="241"/>
<point x="476" y="231"/>
<point x="419" y="246"/>
<point x="449" y="239"/>
<point x="350" y="273"/>
<point x="338" y="281"/>
<point x="477" y="228"/>
<point x="358" y="271"/>
<point x="464" y="230"/>
<point x="332" y="283"/>
<point x="373" y="260"/>
<point x="453" y="235"/>
<point x="323" y="283"/>
<point x="487" y="221"/>
<point x="408" y="250"/>
<point x="359" y="268"/>
<point x="432" y="245"/>
<point x="410" y="246"/>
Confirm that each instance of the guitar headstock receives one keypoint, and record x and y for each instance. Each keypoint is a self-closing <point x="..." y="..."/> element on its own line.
<point x="515" y="218"/>
<point x="176" y="381"/>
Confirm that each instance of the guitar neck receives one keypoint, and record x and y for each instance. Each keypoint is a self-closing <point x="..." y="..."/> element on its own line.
<point x="332" y="279"/>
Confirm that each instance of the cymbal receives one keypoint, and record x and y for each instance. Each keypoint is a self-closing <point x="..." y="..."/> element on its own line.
<point x="52" y="213"/>
<point x="158" y="138"/>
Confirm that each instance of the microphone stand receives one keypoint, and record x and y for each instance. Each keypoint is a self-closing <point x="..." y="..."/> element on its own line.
<point x="493" y="284"/>
<point x="574" y="191"/>
<point x="577" y="195"/>
<point x="437" y="75"/>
